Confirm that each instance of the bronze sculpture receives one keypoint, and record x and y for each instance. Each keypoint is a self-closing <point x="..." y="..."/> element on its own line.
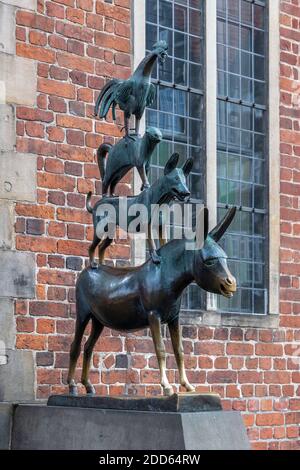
<point x="172" y="185"/>
<point x="132" y="95"/>
<point x="130" y="299"/>
<point x="115" y="161"/>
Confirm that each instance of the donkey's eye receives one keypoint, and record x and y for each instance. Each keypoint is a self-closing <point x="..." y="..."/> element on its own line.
<point x="210" y="262"/>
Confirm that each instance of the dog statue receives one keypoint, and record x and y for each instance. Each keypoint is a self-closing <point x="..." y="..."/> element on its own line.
<point x="172" y="185"/>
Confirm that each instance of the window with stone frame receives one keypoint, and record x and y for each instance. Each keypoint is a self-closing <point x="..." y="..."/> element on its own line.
<point x="242" y="125"/>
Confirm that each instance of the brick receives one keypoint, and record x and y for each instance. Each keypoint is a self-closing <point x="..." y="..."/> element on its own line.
<point x="75" y="15"/>
<point x="54" y="10"/>
<point x="58" y="73"/>
<point x="269" y="419"/>
<point x="34" y="129"/>
<point x="57" y="104"/>
<point x="75" y="63"/>
<point x="34" y="244"/>
<point x="268" y="349"/>
<point x="56" y="134"/>
<point x="35" y="21"/>
<point x="45" y="325"/>
<point x="221" y="376"/>
<point x="28" y="341"/>
<point x="29" y="114"/>
<point x="35" y="226"/>
<point x="52" y="181"/>
<point x="74" y="31"/>
<point x="53" y="87"/>
<point x="74" y="122"/>
<point x="239" y="349"/>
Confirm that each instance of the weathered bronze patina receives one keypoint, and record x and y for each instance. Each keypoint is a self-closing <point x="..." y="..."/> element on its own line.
<point x="132" y="95"/>
<point x="172" y="185"/>
<point x="130" y="299"/>
<point x="115" y="161"/>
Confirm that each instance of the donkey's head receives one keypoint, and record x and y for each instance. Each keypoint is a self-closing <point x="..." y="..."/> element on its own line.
<point x="174" y="179"/>
<point x="211" y="270"/>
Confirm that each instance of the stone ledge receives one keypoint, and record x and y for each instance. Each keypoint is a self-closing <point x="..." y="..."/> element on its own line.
<point x="17" y="377"/>
<point x="24" y="4"/>
<point x="17" y="275"/>
<point x="7" y="323"/>
<point x="20" y="79"/>
<point x="7" y="28"/>
<point x="7" y="224"/>
<point x="7" y="127"/>
<point x="18" y="176"/>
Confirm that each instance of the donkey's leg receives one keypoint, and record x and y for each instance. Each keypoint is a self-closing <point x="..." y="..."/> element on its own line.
<point x="176" y="338"/>
<point x="97" y="329"/>
<point x="155" y="327"/>
<point x="92" y="249"/>
<point x="81" y="322"/>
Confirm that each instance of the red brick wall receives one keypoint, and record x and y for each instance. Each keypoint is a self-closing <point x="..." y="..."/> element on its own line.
<point x="76" y="44"/>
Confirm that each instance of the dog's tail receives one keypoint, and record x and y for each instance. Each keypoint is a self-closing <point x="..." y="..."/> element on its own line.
<point x="101" y="158"/>
<point x="88" y="203"/>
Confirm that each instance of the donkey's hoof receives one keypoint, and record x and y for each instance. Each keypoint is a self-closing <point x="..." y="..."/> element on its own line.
<point x="94" y="265"/>
<point x="168" y="391"/>
<point x="189" y="388"/>
<point x="73" y="391"/>
<point x="90" y="390"/>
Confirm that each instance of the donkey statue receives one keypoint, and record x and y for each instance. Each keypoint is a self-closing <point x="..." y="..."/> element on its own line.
<point x="131" y="299"/>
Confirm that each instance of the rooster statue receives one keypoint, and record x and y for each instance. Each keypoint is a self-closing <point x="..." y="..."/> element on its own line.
<point x="132" y="95"/>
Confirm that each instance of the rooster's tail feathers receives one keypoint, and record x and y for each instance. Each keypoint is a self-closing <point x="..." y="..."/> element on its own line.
<point x="105" y="94"/>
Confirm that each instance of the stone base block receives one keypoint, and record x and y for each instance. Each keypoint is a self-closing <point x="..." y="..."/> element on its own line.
<point x="43" y="427"/>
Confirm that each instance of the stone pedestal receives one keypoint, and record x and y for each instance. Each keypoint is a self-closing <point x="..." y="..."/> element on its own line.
<point x="63" y="425"/>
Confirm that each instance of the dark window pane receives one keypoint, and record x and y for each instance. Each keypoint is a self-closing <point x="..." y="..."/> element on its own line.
<point x="259" y="42"/>
<point x="233" y="7"/>
<point x="195" y="105"/>
<point x="195" y="22"/>
<point x="180" y="18"/>
<point x="180" y="72"/>
<point x="151" y="11"/>
<point x="180" y="45"/>
<point x="165" y="14"/>
<point x="196" y="79"/>
<point x="195" y="49"/>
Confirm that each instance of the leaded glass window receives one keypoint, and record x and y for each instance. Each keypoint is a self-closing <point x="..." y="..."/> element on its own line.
<point x="179" y="106"/>
<point x="241" y="145"/>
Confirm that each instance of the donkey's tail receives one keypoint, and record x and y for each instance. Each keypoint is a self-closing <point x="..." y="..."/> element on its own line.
<point x="88" y="203"/>
<point x="101" y="158"/>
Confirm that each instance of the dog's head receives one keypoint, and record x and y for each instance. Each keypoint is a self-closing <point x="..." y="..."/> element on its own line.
<point x="175" y="179"/>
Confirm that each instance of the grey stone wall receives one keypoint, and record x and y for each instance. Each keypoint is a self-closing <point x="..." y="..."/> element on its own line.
<point x="18" y="86"/>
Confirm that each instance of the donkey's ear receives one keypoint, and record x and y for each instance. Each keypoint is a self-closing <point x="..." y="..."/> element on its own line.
<point x="218" y="232"/>
<point x="187" y="167"/>
<point x="171" y="163"/>
<point x="206" y="222"/>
